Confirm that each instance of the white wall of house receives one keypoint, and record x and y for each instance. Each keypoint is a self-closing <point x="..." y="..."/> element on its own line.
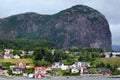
<point x="17" y="72"/>
<point x="64" y="67"/>
<point x="7" y="57"/>
<point x="74" y="70"/>
<point x="16" y="57"/>
<point x="57" y="65"/>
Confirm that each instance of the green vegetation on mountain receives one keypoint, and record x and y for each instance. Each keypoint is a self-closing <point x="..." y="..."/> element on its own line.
<point x="24" y="44"/>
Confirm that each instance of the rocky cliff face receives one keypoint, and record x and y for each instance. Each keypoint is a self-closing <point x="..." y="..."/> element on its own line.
<point x="77" y="26"/>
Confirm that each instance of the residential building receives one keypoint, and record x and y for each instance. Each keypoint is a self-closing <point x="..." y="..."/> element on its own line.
<point x="57" y="64"/>
<point x="30" y="52"/>
<point x="74" y="70"/>
<point x="8" y="51"/>
<point x="16" y="57"/>
<point x="18" y="68"/>
<point x="106" y="72"/>
<point x="79" y="67"/>
<point x="8" y="56"/>
<point x="40" y="70"/>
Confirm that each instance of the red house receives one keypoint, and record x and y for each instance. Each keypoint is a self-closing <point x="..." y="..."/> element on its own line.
<point x="40" y="71"/>
<point x="38" y="76"/>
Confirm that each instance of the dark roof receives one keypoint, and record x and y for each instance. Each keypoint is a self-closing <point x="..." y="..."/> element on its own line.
<point x="104" y="70"/>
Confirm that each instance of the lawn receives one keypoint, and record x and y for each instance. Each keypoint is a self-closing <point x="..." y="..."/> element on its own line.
<point x="115" y="60"/>
<point x="17" y="60"/>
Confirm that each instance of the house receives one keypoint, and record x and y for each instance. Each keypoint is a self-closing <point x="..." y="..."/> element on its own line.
<point x="23" y="53"/>
<point x="84" y="70"/>
<point x="118" y="67"/>
<point x="57" y="64"/>
<point x="1" y="56"/>
<point x="1" y="71"/>
<point x="40" y="70"/>
<point x="106" y="72"/>
<point x="31" y="75"/>
<point x="16" y="57"/>
<point x="30" y="52"/>
<point x="79" y="66"/>
<point x="8" y="51"/>
<point x="64" y="67"/>
<point x="18" y="68"/>
<point x="74" y="70"/>
<point x="82" y="64"/>
<point x="21" y="64"/>
<point x="48" y="69"/>
<point x="38" y="75"/>
<point x="8" y="56"/>
<point x="115" y="54"/>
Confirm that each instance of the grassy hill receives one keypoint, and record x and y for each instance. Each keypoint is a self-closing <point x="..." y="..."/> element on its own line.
<point x="115" y="61"/>
<point x="27" y="61"/>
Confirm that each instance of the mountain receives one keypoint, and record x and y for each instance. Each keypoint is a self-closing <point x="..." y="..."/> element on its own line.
<point x="77" y="26"/>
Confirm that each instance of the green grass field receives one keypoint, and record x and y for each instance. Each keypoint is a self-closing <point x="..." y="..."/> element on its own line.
<point x="17" y="60"/>
<point x="115" y="60"/>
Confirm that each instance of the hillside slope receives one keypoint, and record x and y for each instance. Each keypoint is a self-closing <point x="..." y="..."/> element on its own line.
<point x="77" y="26"/>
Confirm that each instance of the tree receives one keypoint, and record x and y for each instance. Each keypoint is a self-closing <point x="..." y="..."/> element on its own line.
<point x="38" y="54"/>
<point x="58" y="55"/>
<point x="49" y="57"/>
<point x="16" y="52"/>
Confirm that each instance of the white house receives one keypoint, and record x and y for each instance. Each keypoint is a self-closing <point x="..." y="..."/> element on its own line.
<point x="57" y="64"/>
<point x="8" y="51"/>
<point x="79" y="66"/>
<point x="16" y="57"/>
<point x="64" y="67"/>
<point x="23" y="53"/>
<point x="8" y="56"/>
<point x="115" y="54"/>
<point x="30" y="52"/>
<point x="74" y="70"/>
<point x="82" y="64"/>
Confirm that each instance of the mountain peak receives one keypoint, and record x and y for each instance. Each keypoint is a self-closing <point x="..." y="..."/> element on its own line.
<point x="78" y="26"/>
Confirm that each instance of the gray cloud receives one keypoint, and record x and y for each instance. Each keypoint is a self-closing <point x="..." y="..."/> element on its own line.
<point x="110" y="8"/>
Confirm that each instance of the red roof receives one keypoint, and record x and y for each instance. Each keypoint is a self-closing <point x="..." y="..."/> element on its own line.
<point x="22" y="67"/>
<point x="40" y="68"/>
<point x="8" y="55"/>
<point x="1" y="70"/>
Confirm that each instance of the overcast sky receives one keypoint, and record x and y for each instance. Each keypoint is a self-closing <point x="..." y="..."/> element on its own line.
<point x="109" y="8"/>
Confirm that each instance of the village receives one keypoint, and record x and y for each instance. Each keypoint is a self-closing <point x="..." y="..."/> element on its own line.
<point x="55" y="69"/>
